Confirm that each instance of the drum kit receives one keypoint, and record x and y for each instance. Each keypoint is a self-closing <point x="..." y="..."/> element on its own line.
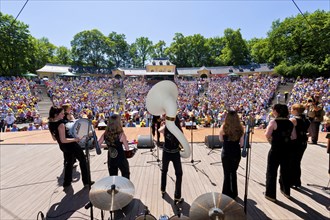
<point x="115" y="192"/>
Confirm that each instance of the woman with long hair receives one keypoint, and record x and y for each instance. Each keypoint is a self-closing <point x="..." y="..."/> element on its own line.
<point x="69" y="145"/>
<point x="232" y="136"/>
<point x="279" y="132"/>
<point x="115" y="138"/>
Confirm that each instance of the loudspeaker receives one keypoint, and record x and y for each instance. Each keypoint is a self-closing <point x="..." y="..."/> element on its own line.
<point x="212" y="141"/>
<point x="145" y="142"/>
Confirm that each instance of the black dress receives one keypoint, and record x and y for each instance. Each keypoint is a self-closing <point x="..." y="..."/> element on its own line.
<point x="70" y="151"/>
<point x="279" y="155"/>
<point x="230" y="156"/>
<point x="116" y="157"/>
<point x="299" y="147"/>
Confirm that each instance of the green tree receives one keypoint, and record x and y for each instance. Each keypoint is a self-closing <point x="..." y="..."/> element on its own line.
<point x="259" y="50"/>
<point x="235" y="51"/>
<point x="198" y="50"/>
<point x="159" y="50"/>
<point x="178" y="51"/>
<point x="117" y="50"/>
<point x="15" y="45"/>
<point x="215" y="46"/>
<point x="63" y="56"/>
<point x="141" y="51"/>
<point x="301" y="44"/>
<point x="89" y="48"/>
<point x="43" y="52"/>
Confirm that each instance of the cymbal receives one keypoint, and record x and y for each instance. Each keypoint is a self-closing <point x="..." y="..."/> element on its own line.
<point x="112" y="193"/>
<point x="178" y="218"/>
<point x="215" y="205"/>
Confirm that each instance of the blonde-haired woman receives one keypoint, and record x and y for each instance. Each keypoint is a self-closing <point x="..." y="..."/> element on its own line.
<point x="301" y="124"/>
<point x="115" y="139"/>
<point x="231" y="134"/>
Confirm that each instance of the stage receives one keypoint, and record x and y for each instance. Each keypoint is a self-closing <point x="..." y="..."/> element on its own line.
<point x="32" y="165"/>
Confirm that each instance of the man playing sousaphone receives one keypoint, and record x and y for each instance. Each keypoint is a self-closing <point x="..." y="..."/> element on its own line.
<point x="171" y="152"/>
<point x="161" y="99"/>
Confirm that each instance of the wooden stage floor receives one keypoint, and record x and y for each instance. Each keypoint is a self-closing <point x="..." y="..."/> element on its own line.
<point x="32" y="164"/>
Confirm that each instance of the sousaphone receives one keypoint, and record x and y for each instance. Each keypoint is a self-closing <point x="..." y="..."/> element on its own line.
<point x="161" y="99"/>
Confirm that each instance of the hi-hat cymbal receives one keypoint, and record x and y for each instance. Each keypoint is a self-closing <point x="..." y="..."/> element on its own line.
<point x="112" y="193"/>
<point x="215" y="205"/>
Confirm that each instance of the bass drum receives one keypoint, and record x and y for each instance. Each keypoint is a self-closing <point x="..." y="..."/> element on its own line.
<point x="83" y="129"/>
<point x="145" y="217"/>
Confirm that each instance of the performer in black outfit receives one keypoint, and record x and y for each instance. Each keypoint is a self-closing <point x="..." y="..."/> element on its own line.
<point x="301" y="124"/>
<point x="155" y="125"/>
<point x="171" y="152"/>
<point x="279" y="132"/>
<point x="68" y="145"/>
<point x="68" y="117"/>
<point x="231" y="134"/>
<point x="315" y="114"/>
<point x="115" y="138"/>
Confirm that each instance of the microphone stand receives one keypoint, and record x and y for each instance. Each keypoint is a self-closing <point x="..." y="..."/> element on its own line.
<point x="192" y="161"/>
<point x="89" y="205"/>
<point x="213" y="148"/>
<point x="158" y="161"/>
<point x="246" y="153"/>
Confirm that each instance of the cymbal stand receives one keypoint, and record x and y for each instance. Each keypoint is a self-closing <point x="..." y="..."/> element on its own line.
<point x="192" y="161"/>
<point x="158" y="161"/>
<point x="214" y="148"/>
<point x="151" y="140"/>
<point x="247" y="142"/>
<point x="89" y="205"/>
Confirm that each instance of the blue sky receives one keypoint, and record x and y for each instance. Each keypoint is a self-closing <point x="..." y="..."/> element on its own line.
<point x="60" y="20"/>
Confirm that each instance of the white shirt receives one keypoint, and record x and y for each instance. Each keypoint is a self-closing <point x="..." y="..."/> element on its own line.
<point x="10" y="119"/>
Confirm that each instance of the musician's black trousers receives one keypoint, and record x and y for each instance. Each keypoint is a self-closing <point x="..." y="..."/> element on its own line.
<point x="176" y="160"/>
<point x="277" y="159"/>
<point x="230" y="166"/>
<point x="121" y="163"/>
<point x="70" y="152"/>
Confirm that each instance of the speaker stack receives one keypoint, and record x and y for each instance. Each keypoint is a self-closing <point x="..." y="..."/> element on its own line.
<point x="145" y="142"/>
<point x="213" y="141"/>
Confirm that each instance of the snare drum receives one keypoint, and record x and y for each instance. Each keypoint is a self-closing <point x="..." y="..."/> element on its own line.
<point x="82" y="128"/>
<point x="131" y="152"/>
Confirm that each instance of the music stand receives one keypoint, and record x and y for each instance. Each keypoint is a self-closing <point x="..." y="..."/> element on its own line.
<point x="192" y="161"/>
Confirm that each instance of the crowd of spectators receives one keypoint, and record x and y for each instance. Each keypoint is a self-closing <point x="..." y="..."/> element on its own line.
<point x="305" y="88"/>
<point x="18" y="104"/>
<point x="206" y="101"/>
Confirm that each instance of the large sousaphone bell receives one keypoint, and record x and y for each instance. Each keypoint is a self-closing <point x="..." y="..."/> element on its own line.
<point x="161" y="99"/>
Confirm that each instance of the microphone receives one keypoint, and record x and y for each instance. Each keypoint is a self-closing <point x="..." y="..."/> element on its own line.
<point x="246" y="139"/>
